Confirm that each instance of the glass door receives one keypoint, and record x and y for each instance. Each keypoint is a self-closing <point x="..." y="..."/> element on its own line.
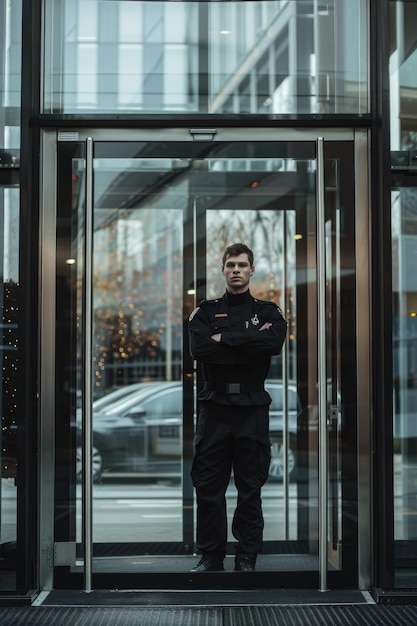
<point x="140" y="229"/>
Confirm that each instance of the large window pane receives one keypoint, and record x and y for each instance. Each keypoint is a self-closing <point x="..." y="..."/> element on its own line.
<point x="403" y="75"/>
<point x="403" y="88"/>
<point x="9" y="246"/>
<point x="404" y="226"/>
<point x="10" y="72"/>
<point x="10" y="76"/>
<point x="257" y="57"/>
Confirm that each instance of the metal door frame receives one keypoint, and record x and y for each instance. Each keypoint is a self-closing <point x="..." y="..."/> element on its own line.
<point x="50" y="552"/>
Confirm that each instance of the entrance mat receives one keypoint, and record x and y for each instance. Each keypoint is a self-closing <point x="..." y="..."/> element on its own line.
<point x="156" y="564"/>
<point x="359" y="615"/>
<point x="147" y="549"/>
<point x="206" y="598"/>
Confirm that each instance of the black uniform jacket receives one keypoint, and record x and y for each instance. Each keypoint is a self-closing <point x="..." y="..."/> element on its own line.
<point x="234" y="369"/>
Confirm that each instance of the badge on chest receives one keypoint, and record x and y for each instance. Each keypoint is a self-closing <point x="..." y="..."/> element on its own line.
<point x="254" y="321"/>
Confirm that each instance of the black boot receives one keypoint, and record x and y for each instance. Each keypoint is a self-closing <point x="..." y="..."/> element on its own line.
<point x="245" y="562"/>
<point x="210" y="562"/>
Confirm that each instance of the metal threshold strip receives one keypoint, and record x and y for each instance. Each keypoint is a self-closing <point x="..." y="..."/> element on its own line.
<point x="262" y="597"/>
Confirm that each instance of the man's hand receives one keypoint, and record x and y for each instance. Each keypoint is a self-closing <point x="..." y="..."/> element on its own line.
<point x="217" y="337"/>
<point x="266" y="326"/>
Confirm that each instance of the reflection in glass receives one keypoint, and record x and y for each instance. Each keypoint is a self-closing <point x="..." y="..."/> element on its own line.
<point x="403" y="76"/>
<point x="10" y="80"/>
<point x="137" y="296"/>
<point x="403" y="137"/>
<point x="404" y="252"/>
<point x="256" y="57"/>
<point x="9" y="216"/>
<point x="137" y="341"/>
<point x="137" y="347"/>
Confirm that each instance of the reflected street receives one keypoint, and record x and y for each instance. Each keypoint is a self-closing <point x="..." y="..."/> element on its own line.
<point x="135" y="512"/>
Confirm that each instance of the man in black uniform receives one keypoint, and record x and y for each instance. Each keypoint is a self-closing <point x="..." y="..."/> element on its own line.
<point x="233" y="338"/>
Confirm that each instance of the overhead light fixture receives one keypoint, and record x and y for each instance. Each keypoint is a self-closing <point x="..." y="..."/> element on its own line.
<point x="298" y="236"/>
<point x="70" y="261"/>
<point x="225" y="32"/>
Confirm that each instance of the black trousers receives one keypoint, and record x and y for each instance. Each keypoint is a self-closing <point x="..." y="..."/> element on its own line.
<point x="230" y="437"/>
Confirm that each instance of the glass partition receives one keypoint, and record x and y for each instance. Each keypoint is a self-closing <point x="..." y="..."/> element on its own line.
<point x="257" y="57"/>
<point x="404" y="254"/>
<point x="10" y="96"/>
<point x="403" y="78"/>
<point x="9" y="250"/>
<point x="10" y="76"/>
<point x="403" y="84"/>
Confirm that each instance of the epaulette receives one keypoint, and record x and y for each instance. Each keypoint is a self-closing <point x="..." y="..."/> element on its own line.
<point x="269" y="302"/>
<point x="203" y="302"/>
<point x="265" y="301"/>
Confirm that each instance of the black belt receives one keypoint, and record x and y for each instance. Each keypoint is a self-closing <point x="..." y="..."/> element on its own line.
<point x="232" y="388"/>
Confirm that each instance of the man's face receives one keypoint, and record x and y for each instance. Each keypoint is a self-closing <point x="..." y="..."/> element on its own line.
<point x="237" y="272"/>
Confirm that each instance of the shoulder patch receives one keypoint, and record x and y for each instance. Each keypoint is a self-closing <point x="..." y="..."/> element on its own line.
<point x="193" y="313"/>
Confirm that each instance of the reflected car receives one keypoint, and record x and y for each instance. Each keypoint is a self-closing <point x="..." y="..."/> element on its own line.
<point x="137" y="431"/>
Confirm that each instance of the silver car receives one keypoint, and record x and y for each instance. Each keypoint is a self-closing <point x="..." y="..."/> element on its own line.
<point x="137" y="430"/>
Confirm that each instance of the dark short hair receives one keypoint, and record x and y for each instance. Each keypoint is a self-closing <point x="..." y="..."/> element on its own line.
<point x="235" y="249"/>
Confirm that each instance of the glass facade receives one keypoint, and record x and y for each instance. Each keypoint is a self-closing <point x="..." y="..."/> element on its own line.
<point x="9" y="241"/>
<point x="10" y="80"/>
<point x="278" y="60"/>
<point x="257" y="57"/>
<point x="403" y="82"/>
<point x="10" y="106"/>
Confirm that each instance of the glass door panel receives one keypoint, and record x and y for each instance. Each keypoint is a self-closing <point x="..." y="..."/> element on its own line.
<point x="137" y="355"/>
<point x="404" y="288"/>
<point x="163" y="213"/>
